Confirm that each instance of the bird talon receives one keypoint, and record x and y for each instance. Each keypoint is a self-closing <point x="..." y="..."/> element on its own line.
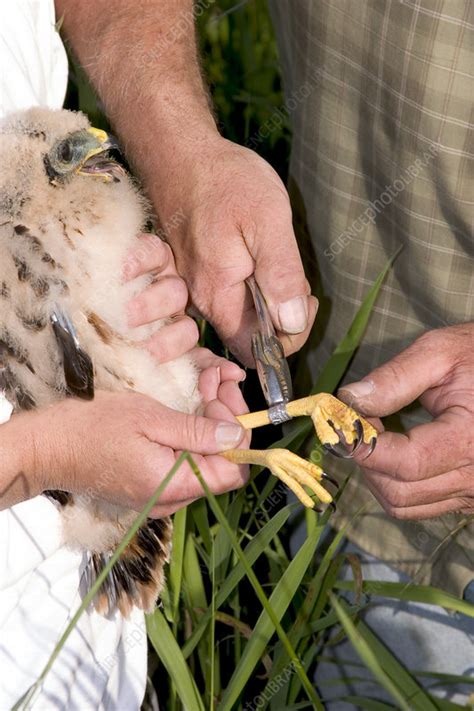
<point x="338" y="427"/>
<point x="372" y="443"/>
<point x="297" y="473"/>
<point x="331" y="480"/>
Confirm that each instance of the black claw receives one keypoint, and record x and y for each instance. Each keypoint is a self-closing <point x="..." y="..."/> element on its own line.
<point x="357" y="445"/>
<point x="331" y="480"/>
<point x="340" y="449"/>
<point x="332" y="505"/>
<point x="373" y="442"/>
<point x="360" y="435"/>
<point x="333" y="449"/>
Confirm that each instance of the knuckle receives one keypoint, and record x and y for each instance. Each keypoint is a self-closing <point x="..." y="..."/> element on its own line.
<point x="191" y="329"/>
<point x="396" y="495"/>
<point x="395" y="512"/>
<point x="142" y="412"/>
<point x="168" y="256"/>
<point x="141" y="308"/>
<point x="179" y="293"/>
<point x="437" y="344"/>
<point x="159" y="348"/>
<point x="194" y="430"/>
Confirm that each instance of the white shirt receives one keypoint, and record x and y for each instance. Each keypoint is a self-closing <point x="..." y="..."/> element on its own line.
<point x="103" y="663"/>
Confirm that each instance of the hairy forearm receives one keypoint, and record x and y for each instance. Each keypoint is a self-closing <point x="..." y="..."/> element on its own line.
<point x="18" y="477"/>
<point x="142" y="60"/>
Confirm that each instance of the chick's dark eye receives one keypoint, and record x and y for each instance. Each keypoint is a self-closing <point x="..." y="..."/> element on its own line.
<point x="65" y="152"/>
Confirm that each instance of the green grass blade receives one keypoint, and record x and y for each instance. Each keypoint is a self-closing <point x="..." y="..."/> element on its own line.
<point x="27" y="698"/>
<point x="253" y="551"/>
<point x="199" y="514"/>
<point x="339" y="360"/>
<point x="175" y="574"/>
<point x="331" y="619"/>
<point x="265" y="627"/>
<point x="222" y="546"/>
<point x="368" y="704"/>
<point x="168" y="651"/>
<point x="414" y="593"/>
<point x="212" y="636"/>
<point x="312" y="607"/>
<point x="369" y="657"/>
<point x="228" y="700"/>
<point x="395" y="678"/>
<point x="195" y="597"/>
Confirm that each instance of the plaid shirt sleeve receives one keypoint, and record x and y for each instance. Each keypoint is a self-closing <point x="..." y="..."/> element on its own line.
<point x="379" y="94"/>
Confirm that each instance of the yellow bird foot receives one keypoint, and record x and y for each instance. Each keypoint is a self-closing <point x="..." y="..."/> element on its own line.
<point x="292" y="470"/>
<point x="341" y="430"/>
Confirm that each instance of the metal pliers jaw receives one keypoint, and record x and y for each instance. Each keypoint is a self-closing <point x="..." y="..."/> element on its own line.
<point x="269" y="356"/>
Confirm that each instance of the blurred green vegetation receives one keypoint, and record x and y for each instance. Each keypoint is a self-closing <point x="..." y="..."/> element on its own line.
<point x="240" y="62"/>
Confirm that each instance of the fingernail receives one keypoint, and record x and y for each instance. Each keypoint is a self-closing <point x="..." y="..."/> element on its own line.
<point x="218" y="373"/>
<point x="358" y="390"/>
<point x="228" y="435"/>
<point x="293" y="315"/>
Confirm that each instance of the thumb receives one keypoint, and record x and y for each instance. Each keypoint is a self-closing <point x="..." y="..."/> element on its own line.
<point x="280" y="275"/>
<point x="397" y="383"/>
<point x="201" y="435"/>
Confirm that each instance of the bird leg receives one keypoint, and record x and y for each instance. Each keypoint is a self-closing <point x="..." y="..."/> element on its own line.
<point x="292" y="470"/>
<point x="337" y="425"/>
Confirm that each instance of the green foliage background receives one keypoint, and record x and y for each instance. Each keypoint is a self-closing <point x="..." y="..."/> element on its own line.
<point x="240" y="62"/>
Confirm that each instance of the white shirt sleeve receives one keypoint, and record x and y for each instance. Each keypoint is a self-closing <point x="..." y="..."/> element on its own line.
<point x="33" y="61"/>
<point x="103" y="663"/>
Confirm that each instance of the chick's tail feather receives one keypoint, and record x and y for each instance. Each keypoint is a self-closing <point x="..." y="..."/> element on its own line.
<point x="137" y="578"/>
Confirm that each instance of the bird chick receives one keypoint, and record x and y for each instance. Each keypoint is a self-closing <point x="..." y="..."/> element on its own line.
<point x="68" y="217"/>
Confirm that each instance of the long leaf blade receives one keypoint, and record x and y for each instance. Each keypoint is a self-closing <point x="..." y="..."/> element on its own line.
<point x="172" y="658"/>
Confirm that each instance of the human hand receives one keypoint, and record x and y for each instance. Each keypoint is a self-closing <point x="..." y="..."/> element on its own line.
<point x="83" y="447"/>
<point x="166" y="297"/>
<point x="429" y="471"/>
<point x="235" y="221"/>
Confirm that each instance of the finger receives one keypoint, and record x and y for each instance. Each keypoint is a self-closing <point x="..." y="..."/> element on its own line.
<point x="219" y="474"/>
<point x="292" y="344"/>
<point x="236" y="323"/>
<point x="280" y="275"/>
<point x="400" y="381"/>
<point x="458" y="504"/>
<point x="219" y="477"/>
<point x="231" y="396"/>
<point x="216" y="409"/>
<point x="401" y="494"/>
<point x="241" y="322"/>
<point x="150" y="254"/>
<point x="209" y="381"/>
<point x="167" y="297"/>
<point x="194" y="433"/>
<point x="230" y="403"/>
<point x="204" y="358"/>
<point x="424" y="451"/>
<point x="173" y="339"/>
<point x="228" y="393"/>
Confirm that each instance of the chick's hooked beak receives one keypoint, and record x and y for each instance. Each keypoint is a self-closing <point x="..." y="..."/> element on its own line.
<point x="96" y="160"/>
